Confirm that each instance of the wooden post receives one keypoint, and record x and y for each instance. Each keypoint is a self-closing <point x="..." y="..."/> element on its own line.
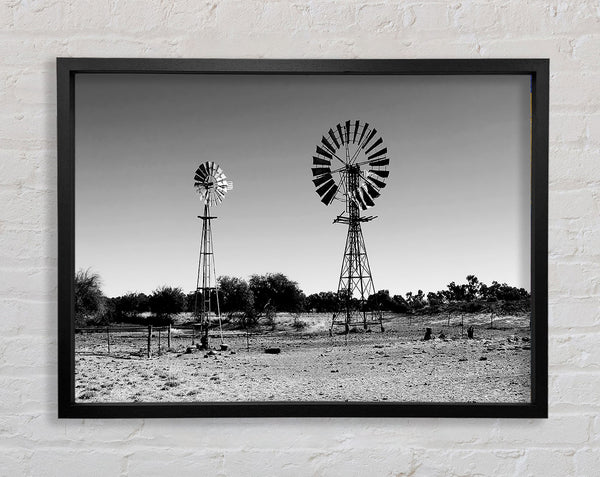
<point x="193" y="333"/>
<point x="247" y="341"/>
<point x="108" y="337"/>
<point x="462" y="328"/>
<point x="169" y="337"/>
<point x="149" y="341"/>
<point x="159" y="341"/>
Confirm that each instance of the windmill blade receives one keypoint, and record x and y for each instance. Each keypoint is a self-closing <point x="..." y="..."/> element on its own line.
<point x="322" y="179"/>
<point x="374" y="145"/>
<point x="325" y="187"/>
<point x="366" y="197"/>
<point x="375" y="182"/>
<point x="327" y="144"/>
<point x="334" y="139"/>
<point x="381" y="152"/>
<point x="355" y="131"/>
<point x="347" y="132"/>
<point x="317" y="171"/>
<point x="373" y="192"/>
<point x="323" y="152"/>
<point x="358" y="199"/>
<point x="317" y="161"/>
<point x="339" y="128"/>
<point x="369" y="137"/>
<point x="201" y="173"/>
<point x="380" y="173"/>
<point x="380" y="162"/>
<point x="328" y="197"/>
<point x="362" y="134"/>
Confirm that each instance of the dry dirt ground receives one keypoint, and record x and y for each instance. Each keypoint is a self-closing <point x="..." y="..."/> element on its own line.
<point x="396" y="365"/>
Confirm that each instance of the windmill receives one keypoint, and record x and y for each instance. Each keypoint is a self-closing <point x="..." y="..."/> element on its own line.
<point x="350" y="165"/>
<point x="212" y="185"/>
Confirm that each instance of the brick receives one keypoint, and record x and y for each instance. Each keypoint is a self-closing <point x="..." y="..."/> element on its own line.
<point x="22" y="317"/>
<point x="575" y="88"/>
<point x="587" y="461"/>
<point x="475" y="16"/>
<point x="593" y="129"/>
<point x="568" y="128"/>
<point x="574" y="279"/>
<point x="559" y="430"/>
<point x="15" y="462"/>
<point x="574" y="313"/>
<point x="575" y="351"/>
<point x="573" y="204"/>
<point x="564" y="241"/>
<point x="43" y="15"/>
<point x="585" y="50"/>
<point x="467" y="462"/>
<point x="31" y="354"/>
<point x="547" y="462"/>
<point x="380" y="18"/>
<point x="575" y="388"/>
<point x="161" y="461"/>
<point x="65" y="461"/>
<point x="575" y="166"/>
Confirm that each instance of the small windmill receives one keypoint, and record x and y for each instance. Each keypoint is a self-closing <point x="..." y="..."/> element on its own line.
<point x="350" y="165"/>
<point x="212" y="185"/>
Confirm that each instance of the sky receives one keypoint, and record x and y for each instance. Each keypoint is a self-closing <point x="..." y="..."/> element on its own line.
<point x="457" y="200"/>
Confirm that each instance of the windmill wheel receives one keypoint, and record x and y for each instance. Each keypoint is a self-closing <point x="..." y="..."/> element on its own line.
<point x="350" y="162"/>
<point x="211" y="183"/>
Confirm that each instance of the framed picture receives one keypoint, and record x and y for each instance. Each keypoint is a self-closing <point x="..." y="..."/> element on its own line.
<point x="329" y="238"/>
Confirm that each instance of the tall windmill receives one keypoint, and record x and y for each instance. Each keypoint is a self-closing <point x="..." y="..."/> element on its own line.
<point x="212" y="185"/>
<point x="350" y="165"/>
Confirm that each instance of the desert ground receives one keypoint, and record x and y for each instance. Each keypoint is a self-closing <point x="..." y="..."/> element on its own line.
<point x="396" y="365"/>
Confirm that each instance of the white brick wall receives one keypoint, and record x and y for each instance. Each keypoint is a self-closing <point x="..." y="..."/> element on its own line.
<point x="34" y="442"/>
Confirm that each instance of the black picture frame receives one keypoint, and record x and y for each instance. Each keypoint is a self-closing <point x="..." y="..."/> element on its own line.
<point x="69" y="68"/>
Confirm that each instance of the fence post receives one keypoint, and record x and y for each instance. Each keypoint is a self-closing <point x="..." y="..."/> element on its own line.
<point x="193" y="333"/>
<point x="169" y="337"/>
<point x="149" y="340"/>
<point x="159" y="350"/>
<point x="108" y="337"/>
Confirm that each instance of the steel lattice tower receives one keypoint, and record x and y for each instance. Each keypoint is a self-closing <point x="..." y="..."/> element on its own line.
<point x="355" y="275"/>
<point x="207" y="289"/>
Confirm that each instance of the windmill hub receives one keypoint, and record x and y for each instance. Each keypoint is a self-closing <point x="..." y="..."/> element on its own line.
<point x="337" y="175"/>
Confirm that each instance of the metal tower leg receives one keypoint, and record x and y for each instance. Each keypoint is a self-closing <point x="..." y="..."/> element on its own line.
<point x="206" y="283"/>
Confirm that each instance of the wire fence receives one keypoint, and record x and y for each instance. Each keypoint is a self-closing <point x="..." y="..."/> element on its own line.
<point x="148" y="341"/>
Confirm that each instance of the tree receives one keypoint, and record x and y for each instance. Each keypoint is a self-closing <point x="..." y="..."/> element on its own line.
<point x="472" y="288"/>
<point x="89" y="300"/>
<point x="235" y="295"/>
<point x="381" y="301"/>
<point x="276" y="290"/>
<point x="166" y="302"/>
<point x="128" y="307"/>
<point x="323" y="302"/>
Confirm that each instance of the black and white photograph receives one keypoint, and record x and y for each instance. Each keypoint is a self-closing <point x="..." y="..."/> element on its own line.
<point x="302" y="238"/>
